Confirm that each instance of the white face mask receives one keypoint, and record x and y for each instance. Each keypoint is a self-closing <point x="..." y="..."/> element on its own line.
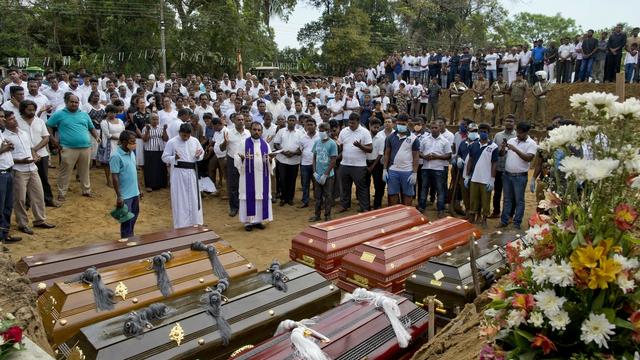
<point x="473" y="136"/>
<point x="323" y="135"/>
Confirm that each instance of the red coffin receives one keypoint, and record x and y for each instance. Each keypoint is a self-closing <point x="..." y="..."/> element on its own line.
<point x="322" y="246"/>
<point x="385" y="262"/>
<point x="355" y="330"/>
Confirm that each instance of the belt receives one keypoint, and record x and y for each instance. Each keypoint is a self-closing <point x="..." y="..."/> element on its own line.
<point x="5" y="171"/>
<point x="516" y="174"/>
<point x="542" y="97"/>
<point x="456" y="95"/>
<point x="192" y="166"/>
<point x="498" y="96"/>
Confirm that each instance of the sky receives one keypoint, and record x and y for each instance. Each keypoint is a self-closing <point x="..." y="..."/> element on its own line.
<point x="589" y="14"/>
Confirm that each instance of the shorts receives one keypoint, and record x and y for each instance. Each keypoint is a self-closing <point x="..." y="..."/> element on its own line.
<point x="398" y="182"/>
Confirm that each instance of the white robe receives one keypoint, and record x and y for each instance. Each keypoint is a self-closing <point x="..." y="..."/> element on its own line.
<point x="257" y="172"/>
<point x="184" y="191"/>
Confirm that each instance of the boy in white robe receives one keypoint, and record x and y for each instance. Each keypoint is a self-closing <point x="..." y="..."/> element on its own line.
<point x="182" y="153"/>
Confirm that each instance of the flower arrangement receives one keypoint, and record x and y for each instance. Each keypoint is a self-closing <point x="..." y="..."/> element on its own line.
<point x="10" y="336"/>
<point x="573" y="288"/>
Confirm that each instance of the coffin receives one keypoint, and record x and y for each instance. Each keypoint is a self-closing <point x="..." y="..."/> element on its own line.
<point x="384" y="263"/>
<point x="356" y="330"/>
<point x="448" y="276"/>
<point x="68" y="306"/>
<point x="253" y="311"/>
<point x="44" y="269"/>
<point x="323" y="245"/>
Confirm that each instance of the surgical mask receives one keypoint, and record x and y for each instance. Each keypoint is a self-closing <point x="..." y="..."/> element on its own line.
<point x="473" y="136"/>
<point x="323" y="135"/>
<point x="484" y="136"/>
<point x="401" y="128"/>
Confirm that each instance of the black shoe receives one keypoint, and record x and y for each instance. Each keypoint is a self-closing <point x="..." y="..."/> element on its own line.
<point x="233" y="213"/>
<point x="516" y="227"/>
<point x="303" y="206"/>
<point x="282" y="202"/>
<point x="290" y="203"/>
<point x="44" y="225"/>
<point x="12" y="239"/>
<point x="327" y="218"/>
<point x="53" y="204"/>
<point x="26" y="230"/>
<point x="343" y="210"/>
<point x="502" y="226"/>
<point x="314" y="218"/>
<point x="259" y="226"/>
<point x="248" y="228"/>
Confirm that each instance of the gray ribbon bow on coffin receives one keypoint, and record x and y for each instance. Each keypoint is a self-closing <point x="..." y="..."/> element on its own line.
<point x="213" y="305"/>
<point x="137" y="321"/>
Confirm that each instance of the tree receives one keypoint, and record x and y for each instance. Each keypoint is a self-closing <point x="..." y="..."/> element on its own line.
<point x="279" y="8"/>
<point x="526" y="27"/>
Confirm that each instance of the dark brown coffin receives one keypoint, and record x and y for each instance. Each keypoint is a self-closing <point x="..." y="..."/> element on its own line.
<point x="253" y="311"/>
<point x="59" y="265"/>
<point x="384" y="263"/>
<point x="67" y="307"/>
<point x="323" y="245"/>
<point x="355" y="330"/>
<point x="448" y="276"/>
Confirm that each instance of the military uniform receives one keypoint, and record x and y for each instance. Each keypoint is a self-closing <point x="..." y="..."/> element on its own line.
<point x="540" y="102"/>
<point x="456" y="90"/>
<point x="498" y="91"/>
<point x="480" y="88"/>
<point x="432" y="104"/>
<point x="518" y="91"/>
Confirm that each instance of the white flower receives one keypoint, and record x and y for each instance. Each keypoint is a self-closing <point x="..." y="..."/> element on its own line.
<point x="563" y="135"/>
<point x="601" y="169"/>
<point x="633" y="163"/>
<point x="561" y="274"/>
<point x="548" y="301"/>
<point x="597" y="101"/>
<point x="626" y="263"/>
<point x="491" y="313"/>
<point x="635" y="182"/>
<point x="540" y="272"/>
<point x="515" y="318"/>
<point x="526" y="252"/>
<point x="536" y="233"/>
<point x="573" y="165"/>
<point x="578" y="100"/>
<point x="536" y="319"/>
<point x="9" y="316"/>
<point x="627" y="285"/>
<point x="627" y="109"/>
<point x="559" y="320"/>
<point x="597" y="329"/>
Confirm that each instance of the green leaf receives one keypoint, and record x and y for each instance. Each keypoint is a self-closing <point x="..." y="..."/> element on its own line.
<point x="610" y="314"/>
<point x="623" y="324"/>
<point x="525" y="334"/>
<point x="498" y="304"/>
<point x="578" y="239"/>
<point x="598" y="302"/>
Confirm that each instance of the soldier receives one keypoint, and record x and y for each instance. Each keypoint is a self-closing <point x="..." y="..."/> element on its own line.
<point x="480" y="88"/>
<point x="456" y="89"/>
<point x="540" y="90"/>
<point x="433" y="92"/>
<point x="498" y="90"/>
<point x="518" y="91"/>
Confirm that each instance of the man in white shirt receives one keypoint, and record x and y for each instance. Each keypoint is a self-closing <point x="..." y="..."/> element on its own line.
<point x="54" y="93"/>
<point x="202" y="108"/>
<point x="41" y="101"/>
<point x="351" y="104"/>
<point x="355" y="142"/>
<point x="218" y="160"/>
<point x="276" y="107"/>
<point x="525" y="60"/>
<point x="511" y="61"/>
<point x="492" y="65"/>
<point x="520" y="151"/>
<point x="563" y="69"/>
<point x="15" y="81"/>
<point x="13" y="104"/>
<point x="287" y="141"/>
<point x="480" y="175"/>
<point x="374" y="161"/>
<point x="435" y="150"/>
<point x="307" y="140"/>
<point x="158" y="86"/>
<point x="233" y="144"/>
<point x="6" y="186"/>
<point x="336" y="106"/>
<point x="26" y="179"/>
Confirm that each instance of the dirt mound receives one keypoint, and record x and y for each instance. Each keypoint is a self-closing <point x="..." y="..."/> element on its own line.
<point x="17" y="298"/>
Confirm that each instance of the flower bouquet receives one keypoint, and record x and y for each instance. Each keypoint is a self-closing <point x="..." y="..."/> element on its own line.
<point x="572" y="292"/>
<point x="10" y="336"/>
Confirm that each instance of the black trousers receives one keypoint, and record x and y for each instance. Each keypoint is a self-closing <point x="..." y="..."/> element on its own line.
<point x="277" y="178"/>
<point x="612" y="66"/>
<point x="288" y="176"/>
<point x="233" y="184"/>
<point x="43" y="173"/>
<point x="497" y="192"/>
<point x="378" y="183"/>
<point x="358" y="175"/>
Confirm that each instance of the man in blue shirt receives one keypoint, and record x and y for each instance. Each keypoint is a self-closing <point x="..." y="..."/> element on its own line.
<point x="125" y="180"/>
<point x="325" y="153"/>
<point x="480" y="175"/>
<point x="537" y="61"/>
<point x="74" y="127"/>
<point x="401" y="162"/>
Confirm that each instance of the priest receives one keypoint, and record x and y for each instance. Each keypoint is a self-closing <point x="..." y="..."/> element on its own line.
<point x="182" y="153"/>
<point x="254" y="166"/>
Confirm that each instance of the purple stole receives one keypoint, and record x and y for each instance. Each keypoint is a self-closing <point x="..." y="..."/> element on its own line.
<point x="250" y="178"/>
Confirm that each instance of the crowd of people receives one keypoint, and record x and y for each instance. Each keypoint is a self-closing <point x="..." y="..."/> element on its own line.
<point x="252" y="139"/>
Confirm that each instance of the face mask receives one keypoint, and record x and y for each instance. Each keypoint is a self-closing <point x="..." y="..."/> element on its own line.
<point x="323" y="135"/>
<point x="484" y="136"/>
<point x="401" y="128"/>
<point x="473" y="136"/>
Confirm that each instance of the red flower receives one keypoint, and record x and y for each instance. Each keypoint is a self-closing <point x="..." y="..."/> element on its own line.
<point x="543" y="342"/>
<point x="13" y="334"/>
<point x="538" y="219"/>
<point x="625" y="216"/>
<point x="523" y="301"/>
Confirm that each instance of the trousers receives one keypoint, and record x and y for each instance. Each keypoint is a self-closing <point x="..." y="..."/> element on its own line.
<point x="28" y="182"/>
<point x="70" y="158"/>
<point x="358" y="175"/>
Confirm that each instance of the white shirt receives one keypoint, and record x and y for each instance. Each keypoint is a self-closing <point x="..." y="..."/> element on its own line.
<point x="628" y="59"/>
<point x="56" y="97"/>
<point x="200" y="111"/>
<point x="40" y="100"/>
<point x="276" y="109"/>
<point x="514" y="163"/>
<point x="36" y="131"/>
<point x="8" y="106"/>
<point x="525" y="57"/>
<point x="352" y="105"/>
<point x="491" y="60"/>
<point x="435" y="146"/>
<point x="7" y="89"/>
<point x="236" y="140"/>
<point x="403" y="161"/>
<point x="218" y="138"/>
<point x="512" y="66"/>
<point x="159" y="87"/>
<point x="306" y="145"/>
<point x="569" y="49"/>
<point x="21" y="149"/>
<point x="449" y="136"/>
<point x="578" y="51"/>
<point x="335" y="106"/>
<point x="165" y="117"/>
<point x="289" y="140"/>
<point x="482" y="170"/>
<point x="378" y="146"/>
<point x="6" y="160"/>
<point x="269" y="133"/>
<point x="173" y="127"/>
<point x="352" y="155"/>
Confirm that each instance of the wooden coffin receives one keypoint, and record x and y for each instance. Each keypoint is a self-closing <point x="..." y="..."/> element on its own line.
<point x="45" y="269"/>
<point x="385" y="262"/>
<point x="253" y="311"/>
<point x="68" y="306"/>
<point x="356" y="330"/>
<point x="322" y="246"/>
<point x="448" y="276"/>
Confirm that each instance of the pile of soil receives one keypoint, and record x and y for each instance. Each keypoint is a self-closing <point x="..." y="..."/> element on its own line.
<point x="16" y="297"/>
